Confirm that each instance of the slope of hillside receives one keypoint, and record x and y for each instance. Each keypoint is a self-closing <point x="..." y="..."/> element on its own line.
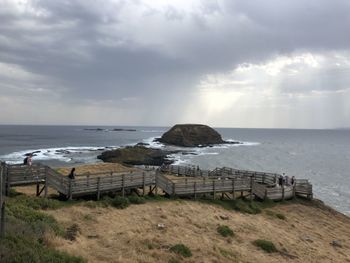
<point x="133" y="234"/>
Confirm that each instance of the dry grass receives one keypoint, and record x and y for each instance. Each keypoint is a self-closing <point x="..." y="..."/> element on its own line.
<point x="131" y="235"/>
<point x="97" y="168"/>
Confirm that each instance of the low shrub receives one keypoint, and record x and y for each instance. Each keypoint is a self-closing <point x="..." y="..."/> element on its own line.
<point x="72" y="232"/>
<point x="134" y="199"/>
<point x="22" y="249"/>
<point x="281" y="216"/>
<point x="244" y="206"/>
<point x="120" y="202"/>
<point x="182" y="250"/>
<point x="37" y="220"/>
<point x="265" y="245"/>
<point x="225" y="231"/>
<point x="247" y="207"/>
<point x="27" y="230"/>
<point x="36" y="202"/>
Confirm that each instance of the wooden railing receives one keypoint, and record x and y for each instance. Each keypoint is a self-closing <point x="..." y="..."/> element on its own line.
<point x="188" y="181"/>
<point x="264" y="185"/>
<point x="18" y="175"/>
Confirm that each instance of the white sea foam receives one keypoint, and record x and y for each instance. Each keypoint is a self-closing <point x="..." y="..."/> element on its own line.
<point x="64" y="154"/>
<point x="152" y="143"/>
<point x="158" y="131"/>
<point x="241" y="143"/>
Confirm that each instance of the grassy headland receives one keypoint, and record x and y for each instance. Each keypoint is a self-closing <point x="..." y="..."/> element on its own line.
<point x="156" y="229"/>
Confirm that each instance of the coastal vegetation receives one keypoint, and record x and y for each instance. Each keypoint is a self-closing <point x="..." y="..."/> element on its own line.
<point x="151" y="225"/>
<point x="160" y="228"/>
<point x="29" y="230"/>
<point x="265" y="245"/>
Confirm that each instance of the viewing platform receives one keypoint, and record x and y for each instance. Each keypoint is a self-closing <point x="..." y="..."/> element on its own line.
<point x="173" y="180"/>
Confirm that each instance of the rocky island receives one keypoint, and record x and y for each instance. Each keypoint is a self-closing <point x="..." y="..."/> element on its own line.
<point x="192" y="135"/>
<point x="136" y="155"/>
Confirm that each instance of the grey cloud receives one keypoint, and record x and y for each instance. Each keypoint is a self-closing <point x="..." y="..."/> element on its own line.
<point x="84" y="48"/>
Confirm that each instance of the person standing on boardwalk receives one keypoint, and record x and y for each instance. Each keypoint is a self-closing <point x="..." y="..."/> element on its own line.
<point x="293" y="180"/>
<point x="72" y="173"/>
<point x="28" y="160"/>
<point x="280" y="181"/>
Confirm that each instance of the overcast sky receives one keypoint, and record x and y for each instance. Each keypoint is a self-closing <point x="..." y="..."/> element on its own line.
<point x="234" y="63"/>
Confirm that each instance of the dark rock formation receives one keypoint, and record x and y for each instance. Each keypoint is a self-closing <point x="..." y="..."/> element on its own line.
<point x="123" y="129"/>
<point x="191" y="135"/>
<point x="136" y="155"/>
<point x="107" y="130"/>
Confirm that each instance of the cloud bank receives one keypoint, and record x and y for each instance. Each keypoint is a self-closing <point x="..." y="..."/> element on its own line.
<point x="226" y="63"/>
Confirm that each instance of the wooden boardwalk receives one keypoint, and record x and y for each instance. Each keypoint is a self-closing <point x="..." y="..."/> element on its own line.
<point x="45" y="177"/>
<point x="173" y="180"/>
<point x="193" y="181"/>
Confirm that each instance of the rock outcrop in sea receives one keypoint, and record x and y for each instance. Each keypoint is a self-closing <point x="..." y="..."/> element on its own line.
<point x="136" y="155"/>
<point x="192" y="135"/>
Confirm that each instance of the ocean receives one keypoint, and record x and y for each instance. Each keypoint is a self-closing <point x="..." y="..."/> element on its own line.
<point x="322" y="156"/>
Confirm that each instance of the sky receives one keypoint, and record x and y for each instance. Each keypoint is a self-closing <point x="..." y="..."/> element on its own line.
<point x="225" y="63"/>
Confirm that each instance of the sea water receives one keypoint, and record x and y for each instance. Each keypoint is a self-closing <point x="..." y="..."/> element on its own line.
<point x="323" y="156"/>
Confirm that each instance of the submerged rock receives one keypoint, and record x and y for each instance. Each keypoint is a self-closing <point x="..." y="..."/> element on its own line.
<point x="136" y="155"/>
<point x="192" y="135"/>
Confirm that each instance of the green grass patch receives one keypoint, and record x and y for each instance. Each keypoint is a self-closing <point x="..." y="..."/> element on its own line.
<point x="37" y="203"/>
<point x="120" y="202"/>
<point x="24" y="249"/>
<point x="242" y="205"/>
<point x="37" y="220"/>
<point x="281" y="216"/>
<point x="228" y="254"/>
<point x="155" y="198"/>
<point x="173" y="260"/>
<point x="265" y="245"/>
<point x="182" y="250"/>
<point x="134" y="199"/>
<point x="225" y="231"/>
<point x="249" y="207"/>
<point x="26" y="231"/>
<point x="277" y="215"/>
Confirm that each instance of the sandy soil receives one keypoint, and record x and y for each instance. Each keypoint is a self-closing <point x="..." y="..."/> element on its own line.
<point x="131" y="235"/>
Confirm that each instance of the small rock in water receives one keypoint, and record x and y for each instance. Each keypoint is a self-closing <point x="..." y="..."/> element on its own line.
<point x="224" y="217"/>
<point x="161" y="226"/>
<point x="336" y="243"/>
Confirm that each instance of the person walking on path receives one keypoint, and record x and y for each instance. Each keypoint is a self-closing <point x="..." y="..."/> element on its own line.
<point x="72" y="173"/>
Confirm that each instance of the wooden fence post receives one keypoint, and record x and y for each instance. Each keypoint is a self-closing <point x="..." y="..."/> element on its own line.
<point x="143" y="184"/>
<point x="233" y="189"/>
<point x="98" y="188"/>
<point x="7" y="183"/>
<point x="2" y="203"/>
<point x="46" y="181"/>
<point x="123" y="185"/>
<point x="251" y="188"/>
<point x="156" y="185"/>
<point x="195" y="190"/>
<point x="70" y="192"/>
<point x="214" y="190"/>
